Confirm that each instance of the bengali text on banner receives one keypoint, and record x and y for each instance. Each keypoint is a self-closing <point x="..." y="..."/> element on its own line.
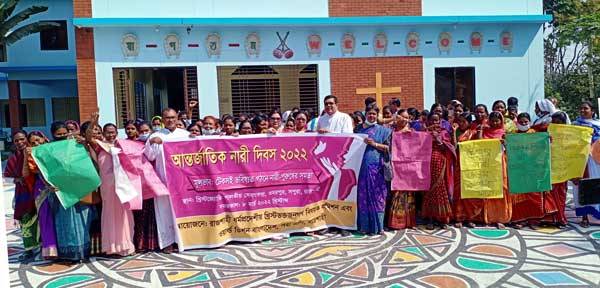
<point x="569" y="151"/>
<point x="528" y="162"/>
<point x="252" y="188"/>
<point x="481" y="169"/>
<point x="411" y="161"/>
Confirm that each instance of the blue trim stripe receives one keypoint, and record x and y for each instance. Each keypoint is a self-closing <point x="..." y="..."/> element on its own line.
<point x="7" y="69"/>
<point x="328" y="21"/>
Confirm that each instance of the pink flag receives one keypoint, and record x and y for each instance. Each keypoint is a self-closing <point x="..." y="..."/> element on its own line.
<point x="139" y="170"/>
<point x="411" y="159"/>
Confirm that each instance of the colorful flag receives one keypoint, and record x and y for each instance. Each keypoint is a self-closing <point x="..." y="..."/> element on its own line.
<point x="411" y="161"/>
<point x="528" y="162"/>
<point x="569" y="151"/>
<point x="481" y="169"/>
<point x="67" y="166"/>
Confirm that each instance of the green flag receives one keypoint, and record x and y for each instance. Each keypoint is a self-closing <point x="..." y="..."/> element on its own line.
<point x="67" y="166"/>
<point x="528" y="162"/>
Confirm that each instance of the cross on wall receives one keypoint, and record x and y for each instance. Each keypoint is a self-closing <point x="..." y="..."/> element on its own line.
<point x="378" y="90"/>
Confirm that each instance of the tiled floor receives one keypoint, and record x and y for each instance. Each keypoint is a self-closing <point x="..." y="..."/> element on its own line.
<point x="412" y="258"/>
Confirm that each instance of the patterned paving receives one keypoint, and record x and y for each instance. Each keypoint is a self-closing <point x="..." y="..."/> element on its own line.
<point x="546" y="257"/>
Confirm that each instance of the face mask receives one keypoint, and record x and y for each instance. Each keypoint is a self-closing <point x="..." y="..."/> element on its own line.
<point x="368" y="123"/>
<point x="523" y="128"/>
<point x="156" y="128"/>
<point x="144" y="137"/>
<point x="209" y="131"/>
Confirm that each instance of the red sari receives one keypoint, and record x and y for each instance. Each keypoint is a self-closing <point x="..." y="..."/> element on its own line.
<point x="436" y="201"/>
<point x="527" y="206"/>
<point x="554" y="201"/>
<point x="498" y="210"/>
<point x="465" y="209"/>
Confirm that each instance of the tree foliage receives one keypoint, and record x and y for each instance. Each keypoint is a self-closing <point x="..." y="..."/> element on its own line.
<point x="9" y="22"/>
<point x="572" y="52"/>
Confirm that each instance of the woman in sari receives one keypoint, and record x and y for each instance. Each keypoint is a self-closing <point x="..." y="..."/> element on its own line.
<point x="24" y="209"/>
<point x="586" y="118"/>
<point x="462" y="208"/>
<point x="509" y="124"/>
<point x="73" y="223"/>
<point x="73" y="127"/>
<point x="40" y="192"/>
<point x="116" y="220"/>
<point x="436" y="202"/>
<point x="131" y="130"/>
<point x="372" y="188"/>
<point x="497" y="211"/>
<point x="438" y="109"/>
<point x="402" y="210"/>
<point x="527" y="208"/>
<point x="555" y="199"/>
<point x="301" y="118"/>
<point x="543" y="110"/>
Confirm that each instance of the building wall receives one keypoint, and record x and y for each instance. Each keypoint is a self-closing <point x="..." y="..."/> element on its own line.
<point x="209" y="8"/>
<point x="497" y="78"/>
<point x="42" y="89"/>
<point x="518" y="75"/>
<point x="349" y="74"/>
<point x="481" y="7"/>
<point x="374" y="8"/>
<point x="27" y="52"/>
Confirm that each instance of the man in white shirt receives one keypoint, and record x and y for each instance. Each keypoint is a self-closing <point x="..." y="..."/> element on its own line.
<point x="334" y="121"/>
<point x="165" y="222"/>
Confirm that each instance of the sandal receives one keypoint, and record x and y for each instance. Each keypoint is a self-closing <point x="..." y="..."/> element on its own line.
<point x="430" y="226"/>
<point x="501" y="226"/>
<point x="585" y="223"/>
<point x="471" y="225"/>
<point x="458" y="225"/>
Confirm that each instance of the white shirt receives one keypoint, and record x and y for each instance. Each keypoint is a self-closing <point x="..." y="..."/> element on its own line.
<point x="337" y="123"/>
<point x="165" y="220"/>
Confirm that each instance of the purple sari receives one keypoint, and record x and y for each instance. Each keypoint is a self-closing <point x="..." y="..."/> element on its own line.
<point x="372" y="188"/>
<point x="45" y="219"/>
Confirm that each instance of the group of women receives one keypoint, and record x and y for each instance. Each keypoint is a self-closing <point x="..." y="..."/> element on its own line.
<point x="88" y="227"/>
<point x="381" y="208"/>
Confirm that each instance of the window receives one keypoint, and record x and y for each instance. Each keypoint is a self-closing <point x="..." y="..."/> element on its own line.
<point x="251" y="89"/>
<point x="3" y="53"/>
<point x="55" y="38"/>
<point x="455" y="83"/>
<point x="65" y="109"/>
<point x="32" y="113"/>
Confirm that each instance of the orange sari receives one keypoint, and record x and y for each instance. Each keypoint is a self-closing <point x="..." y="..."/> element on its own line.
<point x="527" y="206"/>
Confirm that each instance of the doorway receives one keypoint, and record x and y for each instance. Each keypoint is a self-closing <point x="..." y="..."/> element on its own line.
<point x="141" y="93"/>
<point x="455" y="83"/>
<point x="262" y="88"/>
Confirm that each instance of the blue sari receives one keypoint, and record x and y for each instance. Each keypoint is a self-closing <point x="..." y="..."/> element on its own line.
<point x="372" y="188"/>
<point x="592" y="123"/>
<point x="72" y="229"/>
<point x="594" y="210"/>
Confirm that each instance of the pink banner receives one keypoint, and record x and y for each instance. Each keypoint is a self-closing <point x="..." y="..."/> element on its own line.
<point x="411" y="158"/>
<point x="258" y="177"/>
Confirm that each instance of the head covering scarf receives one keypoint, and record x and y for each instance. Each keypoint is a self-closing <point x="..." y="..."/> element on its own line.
<point x="73" y="122"/>
<point x="40" y="134"/>
<point x="548" y="109"/>
<point x="159" y="118"/>
<point x="495" y="133"/>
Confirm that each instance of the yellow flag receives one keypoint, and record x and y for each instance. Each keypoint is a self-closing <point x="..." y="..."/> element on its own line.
<point x="569" y="151"/>
<point x="481" y="169"/>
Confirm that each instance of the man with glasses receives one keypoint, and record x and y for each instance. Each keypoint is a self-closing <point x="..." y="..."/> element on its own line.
<point x="334" y="121"/>
<point x="165" y="223"/>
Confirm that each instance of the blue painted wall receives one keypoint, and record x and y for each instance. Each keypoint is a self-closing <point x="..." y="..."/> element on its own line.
<point x="481" y="7"/>
<point x="108" y="42"/>
<point x="27" y="51"/>
<point x="209" y="8"/>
